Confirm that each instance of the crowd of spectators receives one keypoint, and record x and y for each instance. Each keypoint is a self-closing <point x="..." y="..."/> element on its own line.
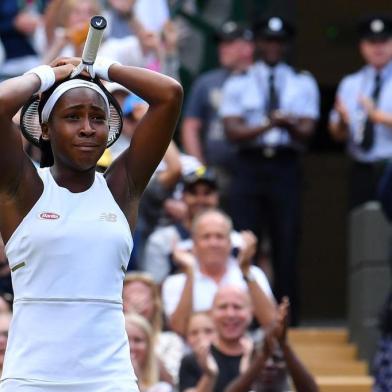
<point x="202" y="310"/>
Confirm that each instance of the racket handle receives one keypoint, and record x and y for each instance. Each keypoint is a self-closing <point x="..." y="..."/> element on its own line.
<point x="94" y="37"/>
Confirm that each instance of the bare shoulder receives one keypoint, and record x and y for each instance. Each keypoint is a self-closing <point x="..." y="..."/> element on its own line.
<point x="18" y="200"/>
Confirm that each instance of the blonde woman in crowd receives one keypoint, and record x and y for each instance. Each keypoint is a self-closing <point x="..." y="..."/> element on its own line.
<point x="141" y="295"/>
<point x="200" y="329"/>
<point x="152" y="377"/>
<point x="66" y="27"/>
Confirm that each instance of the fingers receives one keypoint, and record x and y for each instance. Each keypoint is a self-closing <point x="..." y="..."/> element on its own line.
<point x="65" y="60"/>
<point x="63" y="71"/>
<point x="184" y="258"/>
<point x="248" y="250"/>
<point x="247" y="345"/>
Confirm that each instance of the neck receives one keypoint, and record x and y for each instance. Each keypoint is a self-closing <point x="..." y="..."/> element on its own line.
<point x="379" y="67"/>
<point x="74" y="181"/>
<point x="215" y="273"/>
<point x="229" y="347"/>
<point x="242" y="66"/>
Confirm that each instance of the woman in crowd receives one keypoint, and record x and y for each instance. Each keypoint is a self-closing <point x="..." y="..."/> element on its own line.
<point x="152" y="376"/>
<point x="66" y="27"/>
<point x="141" y="295"/>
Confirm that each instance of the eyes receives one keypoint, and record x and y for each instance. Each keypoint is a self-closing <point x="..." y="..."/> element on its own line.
<point x="95" y="118"/>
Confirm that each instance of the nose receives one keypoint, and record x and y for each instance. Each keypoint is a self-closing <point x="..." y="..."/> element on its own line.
<point x="86" y="130"/>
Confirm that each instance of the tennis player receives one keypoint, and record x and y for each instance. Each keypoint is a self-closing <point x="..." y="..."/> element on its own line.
<point x="67" y="228"/>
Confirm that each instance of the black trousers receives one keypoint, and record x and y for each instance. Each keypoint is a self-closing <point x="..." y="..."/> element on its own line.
<point x="265" y="198"/>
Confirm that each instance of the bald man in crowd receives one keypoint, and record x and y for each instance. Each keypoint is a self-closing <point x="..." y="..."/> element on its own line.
<point x="210" y="266"/>
<point x="213" y="368"/>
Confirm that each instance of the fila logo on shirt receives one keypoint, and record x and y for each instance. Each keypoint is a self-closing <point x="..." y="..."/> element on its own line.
<point x="48" y="215"/>
<point x="108" y="217"/>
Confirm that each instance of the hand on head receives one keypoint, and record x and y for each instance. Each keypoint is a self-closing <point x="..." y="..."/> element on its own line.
<point x="63" y="66"/>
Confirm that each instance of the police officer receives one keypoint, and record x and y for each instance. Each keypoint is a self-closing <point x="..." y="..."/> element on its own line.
<point x="269" y="113"/>
<point x="202" y="130"/>
<point x="362" y="115"/>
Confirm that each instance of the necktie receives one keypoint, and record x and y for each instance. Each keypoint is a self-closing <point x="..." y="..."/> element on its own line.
<point x="368" y="131"/>
<point x="273" y="100"/>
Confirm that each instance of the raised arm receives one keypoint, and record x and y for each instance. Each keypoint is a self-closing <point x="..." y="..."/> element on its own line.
<point x="151" y="137"/>
<point x="179" y="319"/>
<point x="302" y="379"/>
<point x="20" y="186"/>
<point x="264" y="308"/>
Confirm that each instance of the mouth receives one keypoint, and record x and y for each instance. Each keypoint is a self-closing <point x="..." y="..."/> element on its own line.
<point x="86" y="147"/>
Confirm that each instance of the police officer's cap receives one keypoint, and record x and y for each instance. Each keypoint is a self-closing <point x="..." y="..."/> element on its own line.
<point x="376" y="27"/>
<point x="231" y="31"/>
<point x="273" y="27"/>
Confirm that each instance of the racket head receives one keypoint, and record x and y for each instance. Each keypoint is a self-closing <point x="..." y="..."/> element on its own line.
<point x="30" y="123"/>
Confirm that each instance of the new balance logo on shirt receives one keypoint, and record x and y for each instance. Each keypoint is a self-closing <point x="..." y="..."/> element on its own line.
<point x="108" y="217"/>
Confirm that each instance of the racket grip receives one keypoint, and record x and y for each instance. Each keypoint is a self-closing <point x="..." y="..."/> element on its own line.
<point x="94" y="37"/>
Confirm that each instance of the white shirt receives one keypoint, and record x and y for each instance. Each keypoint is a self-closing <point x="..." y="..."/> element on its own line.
<point x="246" y="96"/>
<point x="205" y="288"/>
<point x="350" y="90"/>
<point x="68" y="259"/>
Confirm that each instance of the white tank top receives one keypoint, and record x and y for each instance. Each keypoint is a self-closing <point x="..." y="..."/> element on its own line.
<point x="68" y="259"/>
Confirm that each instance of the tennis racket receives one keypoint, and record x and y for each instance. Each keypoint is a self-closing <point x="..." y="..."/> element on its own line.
<point x="94" y="37"/>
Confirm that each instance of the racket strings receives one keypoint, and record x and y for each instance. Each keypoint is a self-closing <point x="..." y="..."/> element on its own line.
<point x="31" y="127"/>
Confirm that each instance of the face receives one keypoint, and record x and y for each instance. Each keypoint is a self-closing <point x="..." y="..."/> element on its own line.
<point x="5" y="320"/>
<point x="376" y="52"/>
<point x="138" y="344"/>
<point x="132" y="119"/>
<point x="231" y="313"/>
<point x="78" y="129"/>
<point x="138" y="298"/>
<point x="211" y="241"/>
<point x="201" y="329"/>
<point x="233" y="53"/>
<point x="271" y="51"/>
<point x="4" y="306"/>
<point x="273" y="377"/>
<point x="199" y="197"/>
<point x="81" y="11"/>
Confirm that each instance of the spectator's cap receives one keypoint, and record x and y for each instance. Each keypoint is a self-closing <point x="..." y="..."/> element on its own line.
<point x="201" y="175"/>
<point x="273" y="27"/>
<point x="231" y="31"/>
<point x="376" y="27"/>
<point x="131" y="102"/>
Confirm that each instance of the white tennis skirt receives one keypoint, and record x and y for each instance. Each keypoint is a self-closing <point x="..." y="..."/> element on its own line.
<point x="15" y="385"/>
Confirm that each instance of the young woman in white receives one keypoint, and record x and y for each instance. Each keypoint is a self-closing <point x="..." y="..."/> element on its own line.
<point x="68" y="229"/>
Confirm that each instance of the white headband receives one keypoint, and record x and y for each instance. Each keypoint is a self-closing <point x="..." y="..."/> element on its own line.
<point x="63" y="88"/>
